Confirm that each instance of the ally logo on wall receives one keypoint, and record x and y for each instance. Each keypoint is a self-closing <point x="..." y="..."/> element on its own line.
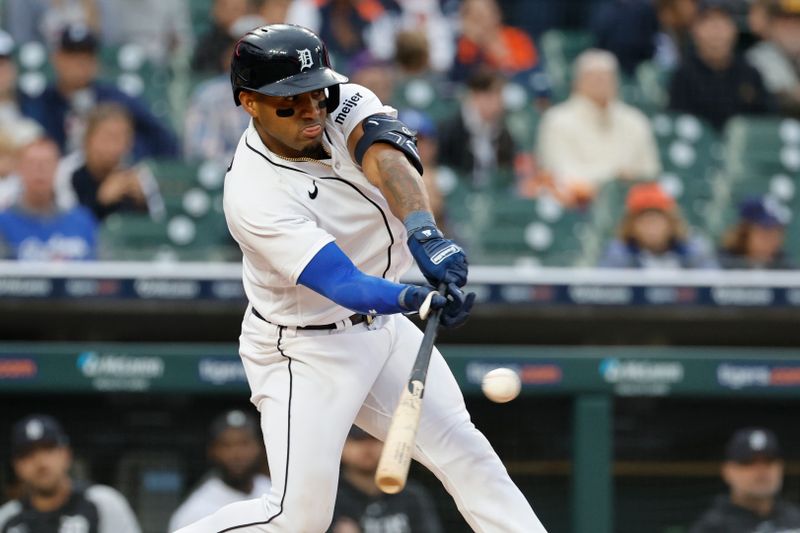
<point x="634" y="377"/>
<point x="120" y="371"/>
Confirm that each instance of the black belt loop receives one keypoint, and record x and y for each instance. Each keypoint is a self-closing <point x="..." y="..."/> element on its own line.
<point x="354" y="320"/>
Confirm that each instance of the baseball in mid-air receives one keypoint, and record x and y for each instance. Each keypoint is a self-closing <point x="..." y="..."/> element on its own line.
<point x="501" y="385"/>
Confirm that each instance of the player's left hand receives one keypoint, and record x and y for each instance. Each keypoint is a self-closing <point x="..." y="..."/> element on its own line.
<point x="422" y="299"/>
<point x="458" y="307"/>
<point x="440" y="260"/>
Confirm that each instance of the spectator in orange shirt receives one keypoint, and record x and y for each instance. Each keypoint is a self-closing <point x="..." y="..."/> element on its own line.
<point x="486" y="41"/>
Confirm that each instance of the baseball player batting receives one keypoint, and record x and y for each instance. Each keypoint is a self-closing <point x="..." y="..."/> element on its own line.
<point x="325" y="198"/>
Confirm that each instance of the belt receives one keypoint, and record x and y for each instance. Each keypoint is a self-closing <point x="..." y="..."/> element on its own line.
<point x="354" y="319"/>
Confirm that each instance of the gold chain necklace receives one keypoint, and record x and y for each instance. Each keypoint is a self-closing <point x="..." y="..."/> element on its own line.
<point x="307" y="159"/>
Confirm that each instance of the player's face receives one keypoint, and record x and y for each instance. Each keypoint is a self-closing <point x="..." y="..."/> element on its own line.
<point x="362" y="454"/>
<point x="290" y="126"/>
<point x="759" y="479"/>
<point x="237" y="453"/>
<point x="43" y="470"/>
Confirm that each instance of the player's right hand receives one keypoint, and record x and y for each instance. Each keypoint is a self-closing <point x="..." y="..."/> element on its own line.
<point x="458" y="307"/>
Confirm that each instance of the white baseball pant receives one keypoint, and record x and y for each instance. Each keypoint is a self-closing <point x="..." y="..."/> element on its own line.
<point x="310" y="386"/>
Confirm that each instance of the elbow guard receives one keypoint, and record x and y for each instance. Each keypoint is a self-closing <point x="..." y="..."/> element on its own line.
<point x="389" y="130"/>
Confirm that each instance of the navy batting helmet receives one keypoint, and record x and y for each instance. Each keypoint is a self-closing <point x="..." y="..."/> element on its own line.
<point x="283" y="60"/>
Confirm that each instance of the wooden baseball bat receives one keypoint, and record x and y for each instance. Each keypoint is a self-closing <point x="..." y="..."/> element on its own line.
<point x="398" y="448"/>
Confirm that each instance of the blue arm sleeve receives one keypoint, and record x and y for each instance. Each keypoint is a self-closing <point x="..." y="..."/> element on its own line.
<point x="333" y="275"/>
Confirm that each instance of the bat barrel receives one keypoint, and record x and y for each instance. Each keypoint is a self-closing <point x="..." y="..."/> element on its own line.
<point x="400" y="442"/>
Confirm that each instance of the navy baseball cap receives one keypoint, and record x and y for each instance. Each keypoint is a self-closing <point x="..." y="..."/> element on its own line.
<point x="763" y="212"/>
<point x="750" y="443"/>
<point x="34" y="431"/>
<point x="234" y="419"/>
<point x="78" y="38"/>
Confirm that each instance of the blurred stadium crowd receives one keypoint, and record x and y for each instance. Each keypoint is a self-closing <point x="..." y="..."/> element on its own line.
<point x="620" y="133"/>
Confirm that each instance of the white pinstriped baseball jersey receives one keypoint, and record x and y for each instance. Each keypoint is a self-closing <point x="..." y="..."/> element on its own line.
<point x="282" y="212"/>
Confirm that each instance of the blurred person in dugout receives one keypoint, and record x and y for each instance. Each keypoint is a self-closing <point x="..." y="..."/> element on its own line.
<point x="476" y="143"/>
<point x="652" y="234"/>
<point x="101" y="176"/>
<point x="753" y="470"/>
<point x="62" y="107"/>
<point x="236" y="455"/>
<point x="714" y="82"/>
<point x="593" y="137"/>
<point x="35" y="228"/>
<point x="361" y="507"/>
<point x="51" y="500"/>
<point x="777" y="57"/>
<point x="756" y="240"/>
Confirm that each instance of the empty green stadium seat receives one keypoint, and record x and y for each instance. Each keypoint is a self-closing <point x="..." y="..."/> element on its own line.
<point x="537" y="230"/>
<point x="426" y="95"/>
<point x="690" y="152"/>
<point x="762" y="156"/>
<point x="560" y="48"/>
<point x="522" y="116"/>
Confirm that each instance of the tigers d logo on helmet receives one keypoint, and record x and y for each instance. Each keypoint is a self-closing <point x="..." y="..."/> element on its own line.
<point x="306" y="61"/>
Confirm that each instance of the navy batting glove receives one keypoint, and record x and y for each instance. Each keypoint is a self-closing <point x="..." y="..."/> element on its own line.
<point x="458" y="307"/>
<point x="440" y="260"/>
<point x="413" y="296"/>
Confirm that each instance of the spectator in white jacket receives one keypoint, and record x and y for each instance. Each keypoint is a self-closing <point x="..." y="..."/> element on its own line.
<point x="593" y="137"/>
